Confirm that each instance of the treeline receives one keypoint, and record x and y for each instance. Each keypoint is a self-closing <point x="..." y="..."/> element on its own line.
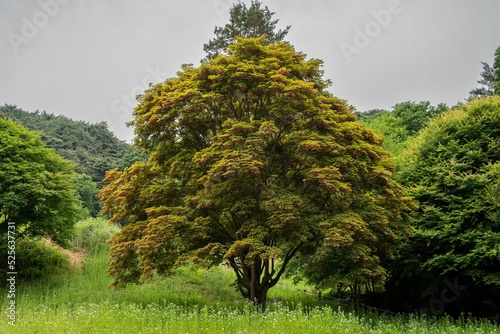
<point x="400" y="125"/>
<point x="448" y="160"/>
<point x="91" y="147"/>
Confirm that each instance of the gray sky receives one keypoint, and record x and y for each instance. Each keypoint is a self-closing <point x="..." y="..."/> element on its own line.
<point x="87" y="59"/>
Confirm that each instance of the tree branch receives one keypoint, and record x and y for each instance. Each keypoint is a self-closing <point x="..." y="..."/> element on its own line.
<point x="289" y="255"/>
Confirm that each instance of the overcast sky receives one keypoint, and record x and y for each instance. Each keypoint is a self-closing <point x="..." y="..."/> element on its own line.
<point x="87" y="59"/>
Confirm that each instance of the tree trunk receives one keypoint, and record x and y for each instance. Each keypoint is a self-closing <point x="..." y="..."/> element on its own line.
<point x="255" y="280"/>
<point x="262" y="299"/>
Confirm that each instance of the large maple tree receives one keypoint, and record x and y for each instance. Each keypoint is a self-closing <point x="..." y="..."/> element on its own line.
<point x="252" y="161"/>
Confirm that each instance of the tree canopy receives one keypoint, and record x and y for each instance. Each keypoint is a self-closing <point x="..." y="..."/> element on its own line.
<point x="453" y="172"/>
<point x="36" y="188"/>
<point x="402" y="124"/>
<point x="253" y="21"/>
<point x="251" y="160"/>
<point x="415" y="116"/>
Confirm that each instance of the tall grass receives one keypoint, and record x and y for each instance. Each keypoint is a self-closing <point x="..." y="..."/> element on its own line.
<point x="108" y="317"/>
<point x="192" y="300"/>
<point x="91" y="235"/>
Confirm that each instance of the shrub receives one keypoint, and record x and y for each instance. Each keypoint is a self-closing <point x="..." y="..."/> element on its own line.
<point x="35" y="259"/>
<point x="91" y="235"/>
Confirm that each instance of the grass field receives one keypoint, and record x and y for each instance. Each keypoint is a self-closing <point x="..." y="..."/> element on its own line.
<point x="194" y="300"/>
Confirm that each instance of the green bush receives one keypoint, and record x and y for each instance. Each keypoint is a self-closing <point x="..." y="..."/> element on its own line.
<point x="37" y="259"/>
<point x="91" y="235"/>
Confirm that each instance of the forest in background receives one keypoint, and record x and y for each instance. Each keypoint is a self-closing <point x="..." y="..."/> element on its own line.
<point x="92" y="148"/>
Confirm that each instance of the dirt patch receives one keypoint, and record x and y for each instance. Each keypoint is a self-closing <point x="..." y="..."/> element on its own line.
<point x="75" y="258"/>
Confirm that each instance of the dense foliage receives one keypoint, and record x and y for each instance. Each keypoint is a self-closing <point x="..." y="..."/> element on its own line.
<point x="36" y="260"/>
<point x="453" y="171"/>
<point x="36" y="186"/>
<point x="87" y="191"/>
<point x="91" y="147"/>
<point x="251" y="161"/>
<point x="400" y="125"/>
